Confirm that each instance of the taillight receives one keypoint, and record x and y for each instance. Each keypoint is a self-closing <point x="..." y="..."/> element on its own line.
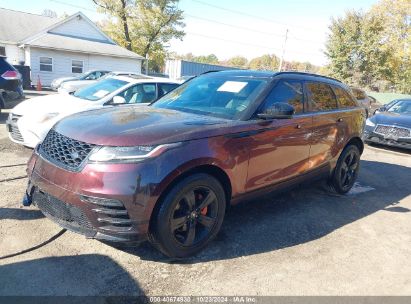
<point x="10" y="75"/>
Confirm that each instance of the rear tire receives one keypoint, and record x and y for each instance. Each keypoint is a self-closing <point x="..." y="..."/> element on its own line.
<point x="346" y="171"/>
<point x="189" y="216"/>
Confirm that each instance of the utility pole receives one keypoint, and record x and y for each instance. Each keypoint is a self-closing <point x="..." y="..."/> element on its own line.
<point x="147" y="64"/>
<point x="282" y="56"/>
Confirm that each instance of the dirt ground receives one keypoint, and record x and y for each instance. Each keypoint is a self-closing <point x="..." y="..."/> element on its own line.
<point x="304" y="242"/>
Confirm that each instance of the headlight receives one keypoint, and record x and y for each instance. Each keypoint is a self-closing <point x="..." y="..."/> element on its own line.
<point x="129" y="154"/>
<point x="46" y="117"/>
<point x="369" y="123"/>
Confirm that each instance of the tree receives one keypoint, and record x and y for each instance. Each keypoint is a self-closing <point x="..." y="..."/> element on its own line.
<point x="396" y="17"/>
<point x="238" y="62"/>
<point x="265" y="62"/>
<point x="143" y="26"/>
<point x="373" y="49"/>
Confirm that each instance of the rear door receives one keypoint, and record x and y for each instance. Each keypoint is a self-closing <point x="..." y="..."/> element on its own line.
<point x="328" y="123"/>
<point x="280" y="150"/>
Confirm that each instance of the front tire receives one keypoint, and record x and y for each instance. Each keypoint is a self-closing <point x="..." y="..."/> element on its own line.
<point x="189" y="216"/>
<point x="346" y="171"/>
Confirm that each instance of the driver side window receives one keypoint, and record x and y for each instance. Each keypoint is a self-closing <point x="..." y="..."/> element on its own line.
<point x="141" y="93"/>
<point x="287" y="91"/>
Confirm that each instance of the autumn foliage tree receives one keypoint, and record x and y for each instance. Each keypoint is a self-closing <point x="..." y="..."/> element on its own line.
<point x="143" y="26"/>
<point x="373" y="49"/>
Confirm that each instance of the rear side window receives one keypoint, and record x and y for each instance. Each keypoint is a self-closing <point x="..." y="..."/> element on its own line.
<point x="343" y="98"/>
<point x="359" y="94"/>
<point x="165" y="88"/>
<point x="2" y="51"/>
<point x="321" y="97"/>
<point x="288" y="91"/>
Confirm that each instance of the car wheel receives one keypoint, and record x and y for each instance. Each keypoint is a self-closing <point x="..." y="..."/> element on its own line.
<point x="346" y="171"/>
<point x="189" y="216"/>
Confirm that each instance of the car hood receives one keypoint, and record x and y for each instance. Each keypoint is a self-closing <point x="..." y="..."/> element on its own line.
<point x="60" y="80"/>
<point x="389" y="118"/>
<point x="55" y="103"/>
<point x="140" y="125"/>
<point x="77" y="83"/>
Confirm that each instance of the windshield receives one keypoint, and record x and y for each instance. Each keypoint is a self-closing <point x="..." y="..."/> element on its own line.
<point x="218" y="96"/>
<point x="401" y="107"/>
<point x="100" y="89"/>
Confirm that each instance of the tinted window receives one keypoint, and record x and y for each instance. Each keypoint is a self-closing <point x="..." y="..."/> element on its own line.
<point x="321" y="97"/>
<point x="343" y="98"/>
<point x="141" y="93"/>
<point x="287" y="91"/>
<point x="165" y="88"/>
<point x="2" y="51"/>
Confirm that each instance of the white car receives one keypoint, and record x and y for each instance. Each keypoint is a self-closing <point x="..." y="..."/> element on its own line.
<point x="90" y="75"/>
<point x="69" y="87"/>
<point x="30" y="121"/>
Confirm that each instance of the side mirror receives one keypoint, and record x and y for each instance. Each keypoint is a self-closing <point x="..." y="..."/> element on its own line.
<point x="279" y="110"/>
<point x="118" y="100"/>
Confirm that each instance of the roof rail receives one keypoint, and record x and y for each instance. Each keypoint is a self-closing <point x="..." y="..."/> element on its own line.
<point x="308" y="74"/>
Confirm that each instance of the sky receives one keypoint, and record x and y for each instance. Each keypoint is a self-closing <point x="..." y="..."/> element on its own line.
<point x="228" y="28"/>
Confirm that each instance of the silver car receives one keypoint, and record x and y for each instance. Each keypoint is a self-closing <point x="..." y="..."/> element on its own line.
<point x="90" y="75"/>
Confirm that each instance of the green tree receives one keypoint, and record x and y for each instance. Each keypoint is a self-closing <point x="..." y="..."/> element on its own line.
<point x="266" y="62"/>
<point x="143" y="26"/>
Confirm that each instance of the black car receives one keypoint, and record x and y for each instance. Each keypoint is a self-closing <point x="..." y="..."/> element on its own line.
<point x="387" y="106"/>
<point x="10" y="81"/>
<point x="392" y="127"/>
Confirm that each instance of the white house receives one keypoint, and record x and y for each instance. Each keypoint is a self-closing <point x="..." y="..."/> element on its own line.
<point x="58" y="47"/>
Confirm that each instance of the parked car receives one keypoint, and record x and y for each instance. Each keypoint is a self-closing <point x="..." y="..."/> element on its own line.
<point x="71" y="86"/>
<point x="387" y="106"/>
<point x="10" y="82"/>
<point x="363" y="98"/>
<point x="29" y="121"/>
<point x="90" y="75"/>
<point x="391" y="127"/>
<point x="168" y="171"/>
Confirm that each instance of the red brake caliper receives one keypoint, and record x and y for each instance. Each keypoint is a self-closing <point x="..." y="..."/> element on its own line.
<point x="205" y="209"/>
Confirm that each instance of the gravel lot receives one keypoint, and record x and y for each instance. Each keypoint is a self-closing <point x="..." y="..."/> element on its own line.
<point x="306" y="242"/>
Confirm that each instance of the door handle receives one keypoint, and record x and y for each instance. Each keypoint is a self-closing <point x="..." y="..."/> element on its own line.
<point x="340" y="120"/>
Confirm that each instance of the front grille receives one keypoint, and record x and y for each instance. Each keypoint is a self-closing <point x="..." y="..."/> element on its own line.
<point x="393" y="131"/>
<point x="14" y="129"/>
<point x="64" y="214"/>
<point x="15" y="133"/>
<point x="63" y="151"/>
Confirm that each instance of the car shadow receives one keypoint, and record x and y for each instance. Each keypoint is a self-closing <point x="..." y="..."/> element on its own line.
<point x="299" y="216"/>
<point x="389" y="148"/>
<point x="59" y="276"/>
<point x="20" y="214"/>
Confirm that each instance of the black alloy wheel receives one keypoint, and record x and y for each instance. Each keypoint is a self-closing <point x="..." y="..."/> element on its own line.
<point x="346" y="172"/>
<point x="189" y="216"/>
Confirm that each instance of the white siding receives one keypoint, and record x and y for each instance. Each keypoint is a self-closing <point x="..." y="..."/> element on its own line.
<point x="114" y="63"/>
<point x="78" y="28"/>
<point x="62" y="64"/>
<point x="14" y="54"/>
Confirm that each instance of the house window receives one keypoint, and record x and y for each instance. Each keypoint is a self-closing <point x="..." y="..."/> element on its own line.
<point x="46" y="64"/>
<point x="77" y="66"/>
<point x="2" y="51"/>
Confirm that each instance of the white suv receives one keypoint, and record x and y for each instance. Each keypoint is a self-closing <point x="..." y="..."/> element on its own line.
<point x="29" y="122"/>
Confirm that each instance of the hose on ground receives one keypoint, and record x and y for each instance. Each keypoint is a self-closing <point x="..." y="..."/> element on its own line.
<point x="54" y="237"/>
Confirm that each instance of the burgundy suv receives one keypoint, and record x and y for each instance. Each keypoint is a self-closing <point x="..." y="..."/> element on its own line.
<point x="167" y="172"/>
